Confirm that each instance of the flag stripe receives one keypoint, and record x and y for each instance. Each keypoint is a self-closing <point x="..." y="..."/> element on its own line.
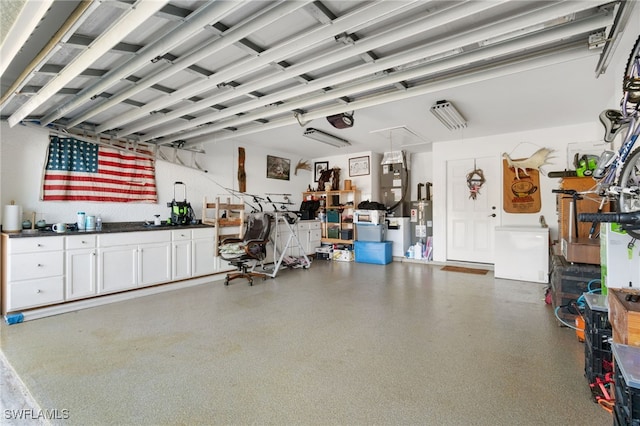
<point x="105" y="180"/>
<point x="81" y="171"/>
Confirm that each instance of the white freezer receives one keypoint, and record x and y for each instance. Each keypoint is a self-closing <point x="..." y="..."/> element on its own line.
<point x="522" y="253"/>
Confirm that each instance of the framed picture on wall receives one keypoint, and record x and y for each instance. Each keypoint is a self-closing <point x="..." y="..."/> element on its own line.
<point x="359" y="166"/>
<point x="318" y="168"/>
<point x="278" y="167"/>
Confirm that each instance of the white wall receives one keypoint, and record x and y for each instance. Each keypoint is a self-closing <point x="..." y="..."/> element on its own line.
<point x="23" y="151"/>
<point x="22" y="157"/>
<point x="518" y="145"/>
<point x="368" y="185"/>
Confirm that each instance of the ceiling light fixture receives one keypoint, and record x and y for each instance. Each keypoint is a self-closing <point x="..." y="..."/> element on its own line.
<point x="449" y="115"/>
<point x="325" y="138"/>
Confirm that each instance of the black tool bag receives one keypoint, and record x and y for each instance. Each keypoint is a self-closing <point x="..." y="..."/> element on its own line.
<point x="308" y="209"/>
<point x="371" y="205"/>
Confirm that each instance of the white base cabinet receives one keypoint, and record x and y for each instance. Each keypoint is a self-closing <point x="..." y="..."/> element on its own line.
<point x="33" y="272"/>
<point x="81" y="267"/>
<point x="42" y="271"/>
<point x="117" y="268"/>
<point x="204" y="259"/>
<point x="309" y="233"/>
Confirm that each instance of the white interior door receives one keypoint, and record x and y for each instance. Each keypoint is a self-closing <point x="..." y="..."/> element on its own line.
<point x="471" y="223"/>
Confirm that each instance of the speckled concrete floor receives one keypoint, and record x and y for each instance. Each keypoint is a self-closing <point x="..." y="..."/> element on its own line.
<point x="340" y="343"/>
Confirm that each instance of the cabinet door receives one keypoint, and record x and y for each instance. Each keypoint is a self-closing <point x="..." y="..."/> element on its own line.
<point x="315" y="240"/>
<point x="181" y="260"/>
<point x="117" y="268"/>
<point x="80" y="280"/>
<point x="155" y="263"/>
<point x="204" y="260"/>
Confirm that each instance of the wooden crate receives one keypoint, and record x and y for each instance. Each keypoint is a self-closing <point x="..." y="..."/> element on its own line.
<point x="624" y="317"/>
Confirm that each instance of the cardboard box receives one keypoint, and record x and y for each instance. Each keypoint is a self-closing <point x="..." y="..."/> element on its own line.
<point x="624" y="316"/>
<point x="343" y="255"/>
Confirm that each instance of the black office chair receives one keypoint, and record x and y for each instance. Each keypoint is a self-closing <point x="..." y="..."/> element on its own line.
<point x="245" y="253"/>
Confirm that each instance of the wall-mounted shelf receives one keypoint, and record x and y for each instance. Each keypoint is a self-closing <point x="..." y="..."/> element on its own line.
<point x="344" y="202"/>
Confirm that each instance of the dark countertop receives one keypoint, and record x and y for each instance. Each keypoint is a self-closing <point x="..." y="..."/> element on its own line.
<point x="107" y="228"/>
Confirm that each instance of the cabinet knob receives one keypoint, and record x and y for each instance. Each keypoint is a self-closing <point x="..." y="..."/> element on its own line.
<point x="84" y="242"/>
<point x="39" y="265"/>
<point x="38" y="291"/>
<point x="39" y="245"/>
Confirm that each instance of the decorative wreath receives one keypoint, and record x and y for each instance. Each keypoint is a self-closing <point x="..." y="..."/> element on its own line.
<point x="475" y="180"/>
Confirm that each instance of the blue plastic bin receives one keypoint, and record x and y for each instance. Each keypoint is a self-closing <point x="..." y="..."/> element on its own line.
<point x="373" y="252"/>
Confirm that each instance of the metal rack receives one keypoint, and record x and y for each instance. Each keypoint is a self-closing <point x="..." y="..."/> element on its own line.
<point x="289" y="219"/>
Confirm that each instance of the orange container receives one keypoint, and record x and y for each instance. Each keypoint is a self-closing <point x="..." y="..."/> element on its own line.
<point x="580" y="328"/>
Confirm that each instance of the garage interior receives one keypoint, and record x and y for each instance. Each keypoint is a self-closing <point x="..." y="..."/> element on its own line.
<point x="226" y="97"/>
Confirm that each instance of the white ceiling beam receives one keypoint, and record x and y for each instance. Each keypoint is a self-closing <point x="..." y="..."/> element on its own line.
<point x="77" y="17"/>
<point x="139" y="12"/>
<point x="351" y="74"/>
<point x="369" y="12"/>
<point x="345" y="52"/>
<point x="447" y="65"/>
<point x="27" y="20"/>
<point x="440" y="67"/>
<point x="195" y="23"/>
<point x="233" y="35"/>
<point x="423" y="89"/>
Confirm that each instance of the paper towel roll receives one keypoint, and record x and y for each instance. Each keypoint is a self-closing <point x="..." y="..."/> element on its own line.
<point x="12" y="218"/>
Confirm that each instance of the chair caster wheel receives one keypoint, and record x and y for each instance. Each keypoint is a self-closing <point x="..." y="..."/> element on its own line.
<point x="226" y="281"/>
<point x="251" y="283"/>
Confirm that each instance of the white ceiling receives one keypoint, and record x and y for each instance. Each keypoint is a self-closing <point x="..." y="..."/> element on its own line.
<point x="260" y="72"/>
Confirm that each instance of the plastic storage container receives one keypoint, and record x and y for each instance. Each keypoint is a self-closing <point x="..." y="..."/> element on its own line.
<point x="366" y="232"/>
<point x="333" y="232"/>
<point x="373" y="252"/>
<point x="333" y="216"/>
<point x="346" y="234"/>
<point x="597" y="331"/>
<point x="627" y="384"/>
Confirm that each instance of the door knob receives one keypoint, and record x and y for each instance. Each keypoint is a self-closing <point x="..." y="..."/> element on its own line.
<point x="492" y="215"/>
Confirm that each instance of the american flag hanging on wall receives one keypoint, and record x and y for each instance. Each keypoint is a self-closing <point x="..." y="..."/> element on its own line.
<point x="83" y="171"/>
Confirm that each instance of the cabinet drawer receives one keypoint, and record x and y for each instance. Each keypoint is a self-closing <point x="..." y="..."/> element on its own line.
<point x="28" y="294"/>
<point x="305" y="225"/>
<point x="35" y="244"/>
<point x="126" y="238"/>
<point x="81" y="241"/>
<point x="203" y="233"/>
<point x="181" y="235"/>
<point x="35" y="265"/>
<point x="314" y="225"/>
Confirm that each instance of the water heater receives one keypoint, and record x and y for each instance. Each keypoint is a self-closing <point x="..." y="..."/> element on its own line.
<point x="422" y="216"/>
